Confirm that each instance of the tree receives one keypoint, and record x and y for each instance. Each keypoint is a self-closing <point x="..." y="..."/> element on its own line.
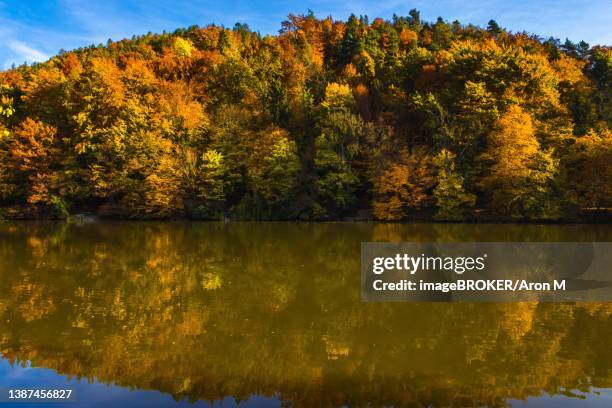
<point x="404" y="187"/>
<point x="273" y="167"/>
<point x="442" y="34"/>
<point x="34" y="155"/>
<point x="339" y="141"/>
<point x="444" y="126"/>
<point x="212" y="186"/>
<point x="601" y="69"/>
<point x="6" y="111"/>
<point x="415" y="20"/>
<point x="520" y="178"/>
<point x="493" y="28"/>
<point x="151" y="187"/>
<point x="589" y="169"/>
<point x="336" y="183"/>
<point x="351" y="42"/>
<point x="182" y="47"/>
<point x="452" y="201"/>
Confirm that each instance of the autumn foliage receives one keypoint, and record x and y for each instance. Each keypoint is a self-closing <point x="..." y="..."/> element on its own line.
<point x="328" y="119"/>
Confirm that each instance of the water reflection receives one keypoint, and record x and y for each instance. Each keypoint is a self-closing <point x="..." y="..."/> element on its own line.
<point x="207" y="311"/>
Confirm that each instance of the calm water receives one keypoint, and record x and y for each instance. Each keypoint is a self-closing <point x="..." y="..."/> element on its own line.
<point x="269" y="314"/>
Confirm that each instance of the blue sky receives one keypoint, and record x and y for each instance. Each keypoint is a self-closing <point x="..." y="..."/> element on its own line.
<point x="33" y="30"/>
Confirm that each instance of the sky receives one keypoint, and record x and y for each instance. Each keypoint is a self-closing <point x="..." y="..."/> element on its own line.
<point x="34" y="30"/>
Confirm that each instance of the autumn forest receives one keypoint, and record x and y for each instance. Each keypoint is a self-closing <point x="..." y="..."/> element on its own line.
<point x="392" y="120"/>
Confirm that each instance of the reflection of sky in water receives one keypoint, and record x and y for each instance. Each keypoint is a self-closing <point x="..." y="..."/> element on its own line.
<point x="597" y="398"/>
<point x="101" y="395"/>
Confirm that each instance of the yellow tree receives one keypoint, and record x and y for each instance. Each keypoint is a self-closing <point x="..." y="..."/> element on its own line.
<point x="34" y="159"/>
<point x="520" y="174"/>
<point x="404" y="186"/>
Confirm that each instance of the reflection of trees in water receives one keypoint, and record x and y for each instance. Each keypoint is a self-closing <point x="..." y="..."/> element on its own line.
<point x="211" y="310"/>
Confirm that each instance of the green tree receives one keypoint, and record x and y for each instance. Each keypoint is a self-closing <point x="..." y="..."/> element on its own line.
<point x="273" y="167"/>
<point x="453" y="203"/>
<point x="351" y="44"/>
<point x="589" y="169"/>
<point x="338" y="143"/>
<point x="212" y="186"/>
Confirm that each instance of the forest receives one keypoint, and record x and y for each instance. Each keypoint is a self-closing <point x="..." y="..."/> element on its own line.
<point x="392" y="120"/>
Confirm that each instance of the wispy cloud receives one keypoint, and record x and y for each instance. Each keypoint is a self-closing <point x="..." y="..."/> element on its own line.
<point x="31" y="30"/>
<point x="26" y="53"/>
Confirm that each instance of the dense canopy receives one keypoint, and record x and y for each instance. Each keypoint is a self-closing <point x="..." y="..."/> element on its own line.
<point x="328" y="119"/>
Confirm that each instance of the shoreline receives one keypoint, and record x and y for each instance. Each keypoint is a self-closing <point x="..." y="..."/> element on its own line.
<point x="75" y="219"/>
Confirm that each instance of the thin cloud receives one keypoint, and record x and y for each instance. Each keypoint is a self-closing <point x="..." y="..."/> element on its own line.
<point x="29" y="36"/>
<point x="26" y="53"/>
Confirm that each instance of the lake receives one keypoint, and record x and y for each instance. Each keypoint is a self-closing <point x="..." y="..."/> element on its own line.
<point x="158" y="314"/>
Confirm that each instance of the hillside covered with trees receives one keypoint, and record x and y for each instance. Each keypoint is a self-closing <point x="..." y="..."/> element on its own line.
<point x="390" y="120"/>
